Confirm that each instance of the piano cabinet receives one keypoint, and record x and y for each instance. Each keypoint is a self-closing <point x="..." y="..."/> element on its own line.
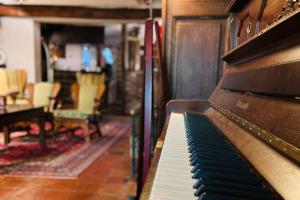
<point x="280" y="174"/>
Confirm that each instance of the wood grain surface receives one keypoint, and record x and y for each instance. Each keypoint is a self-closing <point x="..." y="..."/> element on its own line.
<point x="281" y="80"/>
<point x="75" y="12"/>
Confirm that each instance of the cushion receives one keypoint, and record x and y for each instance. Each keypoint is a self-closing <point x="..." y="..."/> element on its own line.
<point x="3" y="81"/>
<point x="70" y="114"/>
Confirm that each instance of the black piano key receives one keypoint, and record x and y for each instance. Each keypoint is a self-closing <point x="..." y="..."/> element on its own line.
<point x="210" y="196"/>
<point x="223" y="169"/>
<point x="196" y="155"/>
<point x="214" y="151"/>
<point x="218" y="148"/>
<point x="252" y="180"/>
<point x="199" y="156"/>
<point x="229" y="168"/>
<point x="206" y="137"/>
<point x="218" y="163"/>
<point x="238" y="186"/>
<point x="237" y="163"/>
<point x="235" y="193"/>
<point x="208" y="146"/>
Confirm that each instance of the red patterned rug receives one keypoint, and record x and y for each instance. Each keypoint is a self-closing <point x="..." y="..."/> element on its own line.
<point x="66" y="156"/>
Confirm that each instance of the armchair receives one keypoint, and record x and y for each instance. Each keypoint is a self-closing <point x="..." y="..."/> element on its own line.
<point x="86" y="113"/>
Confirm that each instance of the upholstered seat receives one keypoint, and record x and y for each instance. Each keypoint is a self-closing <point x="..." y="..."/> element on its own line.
<point x="73" y="114"/>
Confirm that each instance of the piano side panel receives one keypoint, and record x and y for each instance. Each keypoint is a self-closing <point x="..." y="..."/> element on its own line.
<point x="154" y="164"/>
<point x="282" y="174"/>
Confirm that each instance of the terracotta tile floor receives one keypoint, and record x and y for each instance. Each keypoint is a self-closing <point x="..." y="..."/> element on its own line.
<point x="105" y="179"/>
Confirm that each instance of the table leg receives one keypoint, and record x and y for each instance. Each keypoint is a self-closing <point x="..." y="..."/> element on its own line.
<point x="42" y="132"/>
<point x="6" y="132"/>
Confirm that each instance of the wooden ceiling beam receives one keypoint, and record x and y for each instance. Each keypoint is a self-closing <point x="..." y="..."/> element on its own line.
<point x="76" y="12"/>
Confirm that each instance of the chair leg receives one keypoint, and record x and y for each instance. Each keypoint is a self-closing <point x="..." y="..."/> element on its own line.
<point x="6" y="132"/>
<point x="56" y="126"/>
<point x="98" y="129"/>
<point x="85" y="128"/>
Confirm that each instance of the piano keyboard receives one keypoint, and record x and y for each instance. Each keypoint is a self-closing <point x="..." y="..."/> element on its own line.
<point x="198" y="162"/>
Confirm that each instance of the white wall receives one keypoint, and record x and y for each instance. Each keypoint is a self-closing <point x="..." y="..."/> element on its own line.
<point x="20" y="40"/>
<point x="113" y="34"/>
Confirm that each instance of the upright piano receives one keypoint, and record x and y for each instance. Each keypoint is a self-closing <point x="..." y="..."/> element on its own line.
<point x="243" y="142"/>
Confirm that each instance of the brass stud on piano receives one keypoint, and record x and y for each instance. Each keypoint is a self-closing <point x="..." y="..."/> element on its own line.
<point x="270" y="141"/>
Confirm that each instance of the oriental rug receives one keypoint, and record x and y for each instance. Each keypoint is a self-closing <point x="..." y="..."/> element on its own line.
<point x="65" y="157"/>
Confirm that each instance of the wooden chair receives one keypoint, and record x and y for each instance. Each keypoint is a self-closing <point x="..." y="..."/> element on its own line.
<point x="87" y="109"/>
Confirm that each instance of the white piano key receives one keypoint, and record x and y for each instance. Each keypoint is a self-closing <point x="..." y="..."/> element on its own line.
<point x="173" y="179"/>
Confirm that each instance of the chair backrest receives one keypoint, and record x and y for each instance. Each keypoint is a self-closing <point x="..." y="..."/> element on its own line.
<point x="13" y="80"/>
<point x="100" y="92"/>
<point x="41" y="93"/>
<point x="55" y="90"/>
<point x="99" y="79"/>
<point x="87" y="96"/>
<point x="87" y="78"/>
<point x="75" y="93"/>
<point x="3" y="81"/>
<point x="22" y="81"/>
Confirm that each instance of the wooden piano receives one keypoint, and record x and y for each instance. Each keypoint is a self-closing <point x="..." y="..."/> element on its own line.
<point x="243" y="142"/>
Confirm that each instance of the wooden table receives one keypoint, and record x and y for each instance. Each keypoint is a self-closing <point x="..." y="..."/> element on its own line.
<point x="16" y="113"/>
